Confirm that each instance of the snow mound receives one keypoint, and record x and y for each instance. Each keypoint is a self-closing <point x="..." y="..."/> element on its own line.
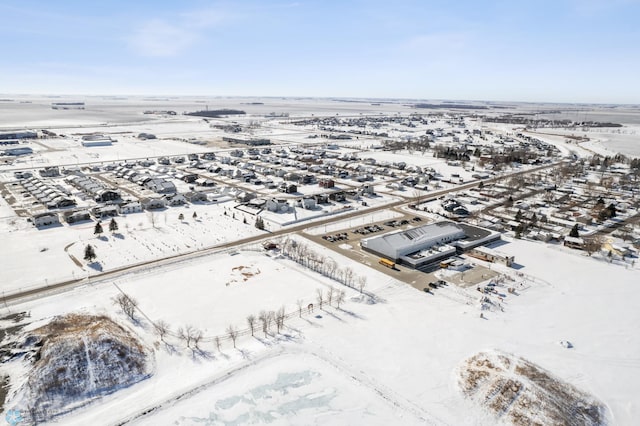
<point x="521" y="393"/>
<point x="75" y="360"/>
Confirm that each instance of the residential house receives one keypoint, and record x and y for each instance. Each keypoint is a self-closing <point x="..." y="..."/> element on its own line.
<point x="174" y="199"/>
<point x="195" y="196"/>
<point x="326" y="183"/>
<point x="307" y="203"/>
<point x="280" y="205"/>
<point x="105" y="211"/>
<point x="45" y="219"/>
<point x="161" y="186"/>
<point x="152" y="203"/>
<point x="130" y="207"/>
<point x="77" y="216"/>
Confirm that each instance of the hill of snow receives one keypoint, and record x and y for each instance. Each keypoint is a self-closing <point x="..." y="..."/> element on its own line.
<point x="76" y="359"/>
<point x="521" y="393"/>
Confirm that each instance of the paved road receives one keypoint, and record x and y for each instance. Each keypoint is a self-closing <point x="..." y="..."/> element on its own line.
<point x="115" y="273"/>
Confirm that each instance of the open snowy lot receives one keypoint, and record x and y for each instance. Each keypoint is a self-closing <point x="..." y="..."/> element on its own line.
<point x="409" y="344"/>
<point x="35" y="257"/>
<point x="293" y="388"/>
<point x="393" y="355"/>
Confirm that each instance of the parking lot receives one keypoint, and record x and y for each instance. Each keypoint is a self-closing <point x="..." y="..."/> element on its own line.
<point x="347" y="243"/>
<point x="356" y="234"/>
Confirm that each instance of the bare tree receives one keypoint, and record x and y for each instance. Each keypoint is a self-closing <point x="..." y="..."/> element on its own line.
<point x="320" y="262"/>
<point x="330" y="295"/>
<point x="263" y="316"/>
<point x="152" y="219"/>
<point x="362" y="282"/>
<point x="340" y="298"/>
<point x="300" y="304"/>
<point x="196" y="338"/>
<point x="233" y="334"/>
<point x="348" y="276"/>
<point x="417" y="196"/>
<point x="280" y="316"/>
<point x="251" y="321"/>
<point x="271" y="318"/>
<point x="331" y="266"/>
<point x="592" y="245"/>
<point x="162" y="328"/>
<point x="182" y="335"/>
<point x="218" y="344"/>
<point x="319" y="297"/>
<point x="187" y="333"/>
<point x="127" y="304"/>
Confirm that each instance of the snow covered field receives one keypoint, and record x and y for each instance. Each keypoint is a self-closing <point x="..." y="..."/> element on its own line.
<point x="407" y="346"/>
<point x="293" y="388"/>
<point x="389" y="356"/>
<point x="35" y="257"/>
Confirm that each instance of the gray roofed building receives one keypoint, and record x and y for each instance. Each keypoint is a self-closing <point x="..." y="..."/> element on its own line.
<point x="394" y="245"/>
<point x="429" y="243"/>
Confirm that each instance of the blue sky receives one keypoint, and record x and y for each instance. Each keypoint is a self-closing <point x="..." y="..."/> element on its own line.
<point x="557" y="51"/>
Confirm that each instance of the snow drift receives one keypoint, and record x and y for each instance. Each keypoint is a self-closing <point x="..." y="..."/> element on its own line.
<point x="521" y="393"/>
<point x="76" y="359"/>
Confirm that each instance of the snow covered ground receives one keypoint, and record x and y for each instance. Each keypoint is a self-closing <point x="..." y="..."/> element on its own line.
<point x="293" y="388"/>
<point x="36" y="257"/>
<point x="406" y="347"/>
<point x="355" y="222"/>
<point x="388" y="359"/>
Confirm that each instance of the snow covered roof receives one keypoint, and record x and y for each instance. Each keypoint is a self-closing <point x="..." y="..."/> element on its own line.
<point x="400" y="243"/>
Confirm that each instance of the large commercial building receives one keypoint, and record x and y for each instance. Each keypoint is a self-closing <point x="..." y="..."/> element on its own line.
<point x="428" y="244"/>
<point x="18" y="135"/>
<point x="97" y="140"/>
<point x="67" y="105"/>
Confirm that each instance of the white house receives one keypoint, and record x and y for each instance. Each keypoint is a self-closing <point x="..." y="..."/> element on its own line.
<point x="308" y="203"/>
<point x="175" y="199"/>
<point x="45" y="219"/>
<point x="130" y="207"/>
<point x="280" y="205"/>
<point x="152" y="203"/>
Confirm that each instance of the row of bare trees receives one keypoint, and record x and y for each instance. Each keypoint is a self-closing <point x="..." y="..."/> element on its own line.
<point x="265" y="320"/>
<point x="193" y="337"/>
<point x="301" y="253"/>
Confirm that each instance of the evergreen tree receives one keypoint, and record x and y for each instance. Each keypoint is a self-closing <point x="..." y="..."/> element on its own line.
<point x="89" y="253"/>
<point x="180" y="216"/>
<point x="607" y="212"/>
<point x="518" y="231"/>
<point x="113" y="225"/>
<point x="518" y="215"/>
<point x="97" y="230"/>
<point x="259" y="223"/>
<point x="612" y="210"/>
<point x="509" y="201"/>
<point x="574" y="232"/>
<point x="195" y="215"/>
